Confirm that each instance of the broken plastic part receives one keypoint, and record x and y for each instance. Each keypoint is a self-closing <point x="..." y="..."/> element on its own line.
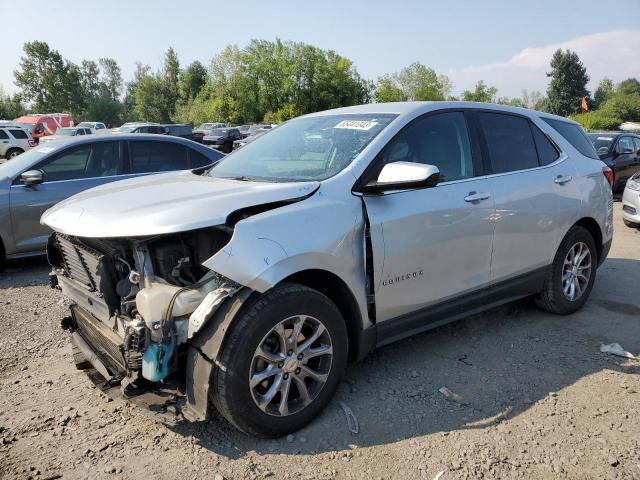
<point x="210" y="305"/>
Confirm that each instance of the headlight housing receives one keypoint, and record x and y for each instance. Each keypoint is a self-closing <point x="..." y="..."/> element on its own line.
<point x="634" y="183"/>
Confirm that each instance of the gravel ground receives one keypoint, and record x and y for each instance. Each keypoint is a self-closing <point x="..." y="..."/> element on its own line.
<point x="537" y="399"/>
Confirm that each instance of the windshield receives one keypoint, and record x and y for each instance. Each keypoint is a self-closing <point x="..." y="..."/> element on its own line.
<point x="86" y="125"/>
<point x="25" y="161"/>
<point x="310" y="148"/>
<point x="602" y="143"/>
<point x="218" y="132"/>
<point x="128" y="128"/>
<point x="65" y="132"/>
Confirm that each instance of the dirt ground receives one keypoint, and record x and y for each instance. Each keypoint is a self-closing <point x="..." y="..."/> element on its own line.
<point x="538" y="400"/>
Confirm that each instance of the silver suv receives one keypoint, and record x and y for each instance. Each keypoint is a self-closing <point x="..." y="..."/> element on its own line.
<point x="254" y="282"/>
<point x="14" y="140"/>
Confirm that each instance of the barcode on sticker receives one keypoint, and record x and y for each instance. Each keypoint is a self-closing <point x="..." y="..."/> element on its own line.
<point x="356" y="124"/>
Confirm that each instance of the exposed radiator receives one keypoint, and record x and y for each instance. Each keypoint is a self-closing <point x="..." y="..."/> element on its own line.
<point x="104" y="342"/>
<point x="80" y="262"/>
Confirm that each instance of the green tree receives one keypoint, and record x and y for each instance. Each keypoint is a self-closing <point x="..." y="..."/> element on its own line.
<point x="630" y="86"/>
<point x="603" y="92"/>
<point x="624" y="107"/>
<point x="481" y="93"/>
<point x="568" y="84"/>
<point x="10" y="106"/>
<point x="111" y="77"/>
<point x="415" y="82"/>
<point x="191" y="81"/>
<point x="170" y="83"/>
<point x="597" y="120"/>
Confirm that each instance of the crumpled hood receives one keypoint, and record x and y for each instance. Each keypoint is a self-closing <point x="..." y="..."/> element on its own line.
<point x="166" y="203"/>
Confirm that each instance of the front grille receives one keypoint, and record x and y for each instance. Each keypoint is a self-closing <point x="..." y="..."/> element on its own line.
<point x="80" y="262"/>
<point x="104" y="342"/>
<point x="629" y="209"/>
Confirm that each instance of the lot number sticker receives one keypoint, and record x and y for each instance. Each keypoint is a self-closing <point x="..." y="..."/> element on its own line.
<point x="356" y="124"/>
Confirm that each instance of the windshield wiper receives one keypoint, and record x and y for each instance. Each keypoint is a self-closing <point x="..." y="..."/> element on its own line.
<point x="241" y="178"/>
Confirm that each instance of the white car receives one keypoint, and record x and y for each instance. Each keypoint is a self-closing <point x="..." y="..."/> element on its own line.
<point x="631" y="202"/>
<point x="95" y="127"/>
<point x="14" y="140"/>
<point x="65" y="133"/>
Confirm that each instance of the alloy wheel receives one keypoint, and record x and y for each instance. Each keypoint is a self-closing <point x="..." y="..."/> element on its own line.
<point x="576" y="271"/>
<point x="291" y="365"/>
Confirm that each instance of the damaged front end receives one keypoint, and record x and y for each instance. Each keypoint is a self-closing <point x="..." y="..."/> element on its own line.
<point x="139" y="305"/>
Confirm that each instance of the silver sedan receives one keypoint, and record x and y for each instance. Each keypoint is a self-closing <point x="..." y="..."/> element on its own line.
<point x="631" y="202"/>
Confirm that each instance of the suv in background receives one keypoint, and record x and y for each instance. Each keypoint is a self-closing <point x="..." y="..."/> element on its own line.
<point x="96" y="127"/>
<point x="621" y="152"/>
<point x="14" y="140"/>
<point x="252" y="284"/>
<point x="222" y="139"/>
<point x="182" y="130"/>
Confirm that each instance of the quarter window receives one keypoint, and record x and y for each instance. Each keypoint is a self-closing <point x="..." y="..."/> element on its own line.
<point x="147" y="157"/>
<point x="547" y="152"/>
<point x="441" y="140"/>
<point x="198" y="159"/>
<point x="3" y="135"/>
<point x="574" y="134"/>
<point x="509" y="142"/>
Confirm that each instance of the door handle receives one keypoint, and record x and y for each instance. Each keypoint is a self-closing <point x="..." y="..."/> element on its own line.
<point x="476" y="196"/>
<point x="561" y="180"/>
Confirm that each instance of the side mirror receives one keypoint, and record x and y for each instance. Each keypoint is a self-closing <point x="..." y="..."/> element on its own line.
<point x="404" y="176"/>
<point x="32" y="177"/>
<point x="623" y="150"/>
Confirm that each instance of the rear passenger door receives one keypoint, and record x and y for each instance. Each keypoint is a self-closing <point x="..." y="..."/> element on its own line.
<point x="625" y="160"/>
<point x="155" y="157"/>
<point x="535" y="197"/>
<point x="71" y="171"/>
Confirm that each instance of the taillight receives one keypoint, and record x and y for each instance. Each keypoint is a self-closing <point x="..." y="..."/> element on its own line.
<point x="608" y="174"/>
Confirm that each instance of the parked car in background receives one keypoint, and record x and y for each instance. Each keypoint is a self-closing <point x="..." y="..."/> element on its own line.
<point x="337" y="232"/>
<point x="95" y="127"/>
<point x="204" y="129"/>
<point x="248" y="139"/>
<point x="222" y="138"/>
<point x="182" y="130"/>
<point x="49" y="173"/>
<point x="621" y="152"/>
<point x="143" y="128"/>
<point x="14" y="140"/>
<point x="631" y="201"/>
<point x="41" y="124"/>
<point x="66" y="133"/>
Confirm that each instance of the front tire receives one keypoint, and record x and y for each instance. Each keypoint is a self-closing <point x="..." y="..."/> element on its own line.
<point x="13" y="152"/>
<point x="282" y="361"/>
<point x="570" y="278"/>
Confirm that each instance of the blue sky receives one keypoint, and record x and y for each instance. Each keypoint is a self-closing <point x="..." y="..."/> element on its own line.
<point x="504" y="42"/>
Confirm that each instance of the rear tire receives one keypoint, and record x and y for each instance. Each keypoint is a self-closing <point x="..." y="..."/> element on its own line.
<point x="569" y="274"/>
<point x="629" y="224"/>
<point x="13" y="152"/>
<point x="261" y="361"/>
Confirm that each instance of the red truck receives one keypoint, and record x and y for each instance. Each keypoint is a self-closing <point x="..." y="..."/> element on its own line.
<point x="41" y="124"/>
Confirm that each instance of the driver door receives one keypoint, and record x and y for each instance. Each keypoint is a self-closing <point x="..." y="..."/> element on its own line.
<point x="431" y="246"/>
<point x="70" y="172"/>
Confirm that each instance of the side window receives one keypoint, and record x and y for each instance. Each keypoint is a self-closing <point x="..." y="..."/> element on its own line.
<point x="147" y="157"/>
<point x="625" y="145"/>
<point x="441" y="140"/>
<point x="509" y="141"/>
<point x="547" y="152"/>
<point x="19" y="134"/>
<point x="80" y="131"/>
<point x="574" y="134"/>
<point x="3" y="135"/>
<point x="636" y="142"/>
<point x="197" y="159"/>
<point x="70" y="165"/>
<point x="105" y="160"/>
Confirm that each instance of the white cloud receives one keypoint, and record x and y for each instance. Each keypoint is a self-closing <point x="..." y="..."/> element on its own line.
<point x="609" y="54"/>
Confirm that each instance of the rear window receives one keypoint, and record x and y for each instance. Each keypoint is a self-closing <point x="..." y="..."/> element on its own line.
<point x="509" y="141"/>
<point x="19" y="134"/>
<point x="574" y="134"/>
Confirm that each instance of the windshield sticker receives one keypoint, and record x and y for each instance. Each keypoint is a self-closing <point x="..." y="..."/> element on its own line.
<point x="45" y="149"/>
<point x="356" y="124"/>
<point x="605" y="138"/>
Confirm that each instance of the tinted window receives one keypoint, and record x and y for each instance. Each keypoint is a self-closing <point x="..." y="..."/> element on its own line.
<point x="105" y="160"/>
<point x="19" y="134"/>
<point x="70" y="165"/>
<point x="547" y="152"/>
<point x="441" y="140"/>
<point x="198" y="159"/>
<point x="573" y="134"/>
<point x="3" y="135"/>
<point x="157" y="157"/>
<point x="636" y="142"/>
<point x="625" y="145"/>
<point x="509" y="141"/>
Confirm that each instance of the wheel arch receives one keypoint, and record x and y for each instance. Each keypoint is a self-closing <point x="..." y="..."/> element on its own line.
<point x="592" y="226"/>
<point x="361" y="340"/>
